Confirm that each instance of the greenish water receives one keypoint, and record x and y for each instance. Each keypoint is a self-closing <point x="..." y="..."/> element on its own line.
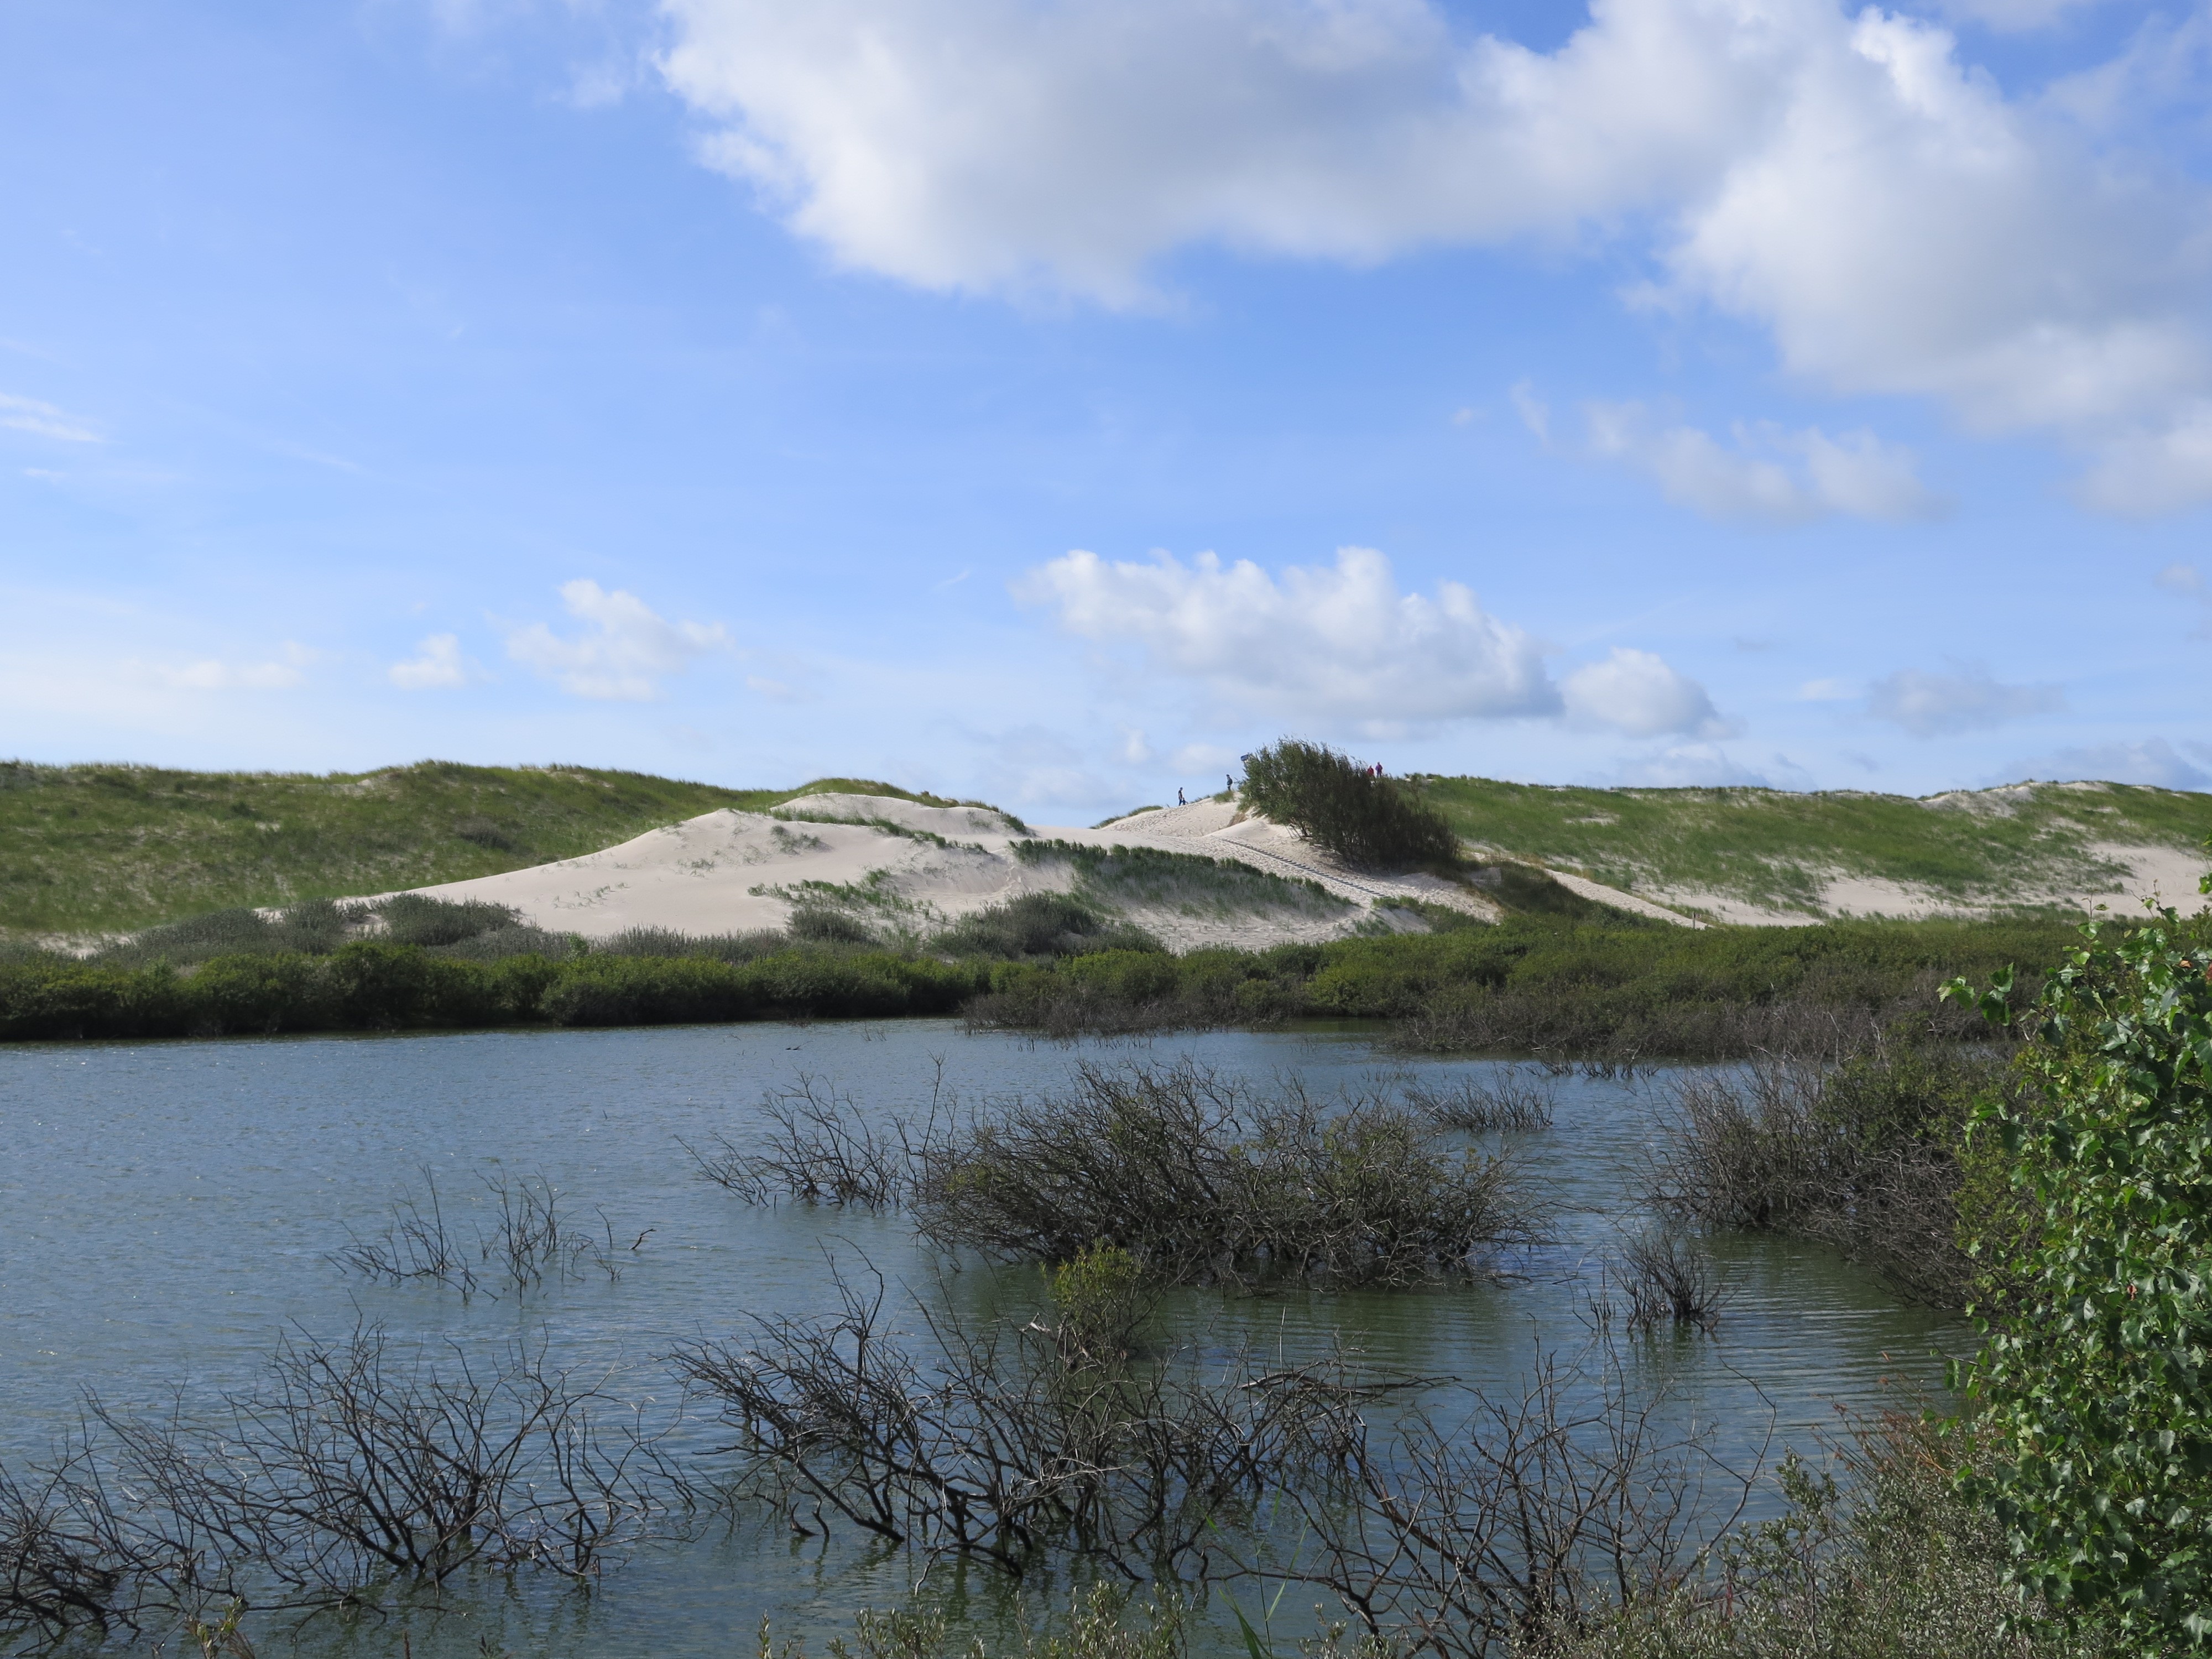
<point x="170" y="1209"/>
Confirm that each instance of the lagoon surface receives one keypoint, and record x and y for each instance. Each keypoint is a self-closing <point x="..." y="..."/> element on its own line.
<point x="171" y="1209"/>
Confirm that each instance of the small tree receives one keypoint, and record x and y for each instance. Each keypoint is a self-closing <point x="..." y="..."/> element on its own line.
<point x="2096" y="1368"/>
<point x="1369" y="822"/>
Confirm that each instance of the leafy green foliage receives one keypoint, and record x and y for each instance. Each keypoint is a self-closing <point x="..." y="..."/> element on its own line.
<point x="1369" y="822"/>
<point x="2093" y="1374"/>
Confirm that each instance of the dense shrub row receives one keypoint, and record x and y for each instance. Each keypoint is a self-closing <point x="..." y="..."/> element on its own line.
<point x="1543" y="985"/>
<point x="1534" y="985"/>
<point x="378" y="986"/>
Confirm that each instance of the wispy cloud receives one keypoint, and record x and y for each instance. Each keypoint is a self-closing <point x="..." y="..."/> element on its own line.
<point x="287" y="671"/>
<point x="625" y="653"/>
<point x="2154" y="761"/>
<point x="436" y="666"/>
<point x="30" y="415"/>
<point x="1940" y="705"/>
<point x="1766" y="475"/>
<point x="2186" y="581"/>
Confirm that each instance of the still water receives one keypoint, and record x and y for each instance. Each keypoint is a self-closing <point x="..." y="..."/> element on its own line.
<point x="170" y="1210"/>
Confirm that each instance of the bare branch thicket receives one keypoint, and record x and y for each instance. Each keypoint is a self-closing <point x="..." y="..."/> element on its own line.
<point x="355" y="1465"/>
<point x="1205" y="1179"/>
<point x="530" y="1239"/>
<point x="63" y="1565"/>
<point x="1510" y="1099"/>
<point x="1469" y="1537"/>
<point x="416" y="1245"/>
<point x="821" y="1149"/>
<point x="1670" y="1280"/>
<point x="1844" y="1153"/>
<point x="1006" y="1442"/>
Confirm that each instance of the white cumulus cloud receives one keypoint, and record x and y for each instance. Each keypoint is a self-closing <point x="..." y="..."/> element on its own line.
<point x="1768" y="475"/>
<point x="436" y="666"/>
<point x="1344" y="642"/>
<point x="1639" y="695"/>
<point x="1839" y="176"/>
<point x="1341" y="640"/>
<point x="627" y="651"/>
<point x="1935" y="705"/>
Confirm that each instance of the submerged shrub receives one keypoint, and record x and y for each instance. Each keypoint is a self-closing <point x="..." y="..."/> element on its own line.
<point x="1203" y="1178"/>
<point x="1368" y="822"/>
<point x="1669" y="1279"/>
<point x="1867" y="1155"/>
<point x="998" y="1443"/>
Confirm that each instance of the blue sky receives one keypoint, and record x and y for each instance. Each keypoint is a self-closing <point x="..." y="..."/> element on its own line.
<point x="1049" y="402"/>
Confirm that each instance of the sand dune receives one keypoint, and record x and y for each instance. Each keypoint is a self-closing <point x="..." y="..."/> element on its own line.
<point x="923" y="867"/>
<point x="906" y="867"/>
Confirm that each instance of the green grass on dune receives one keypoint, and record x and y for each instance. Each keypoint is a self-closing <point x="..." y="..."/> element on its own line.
<point x="105" y="848"/>
<point x="95" y="848"/>
<point x="1999" y="849"/>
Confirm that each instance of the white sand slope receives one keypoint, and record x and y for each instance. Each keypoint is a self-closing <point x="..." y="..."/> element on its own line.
<point x="906" y="867"/>
<point x="922" y="866"/>
<point x="2135" y="875"/>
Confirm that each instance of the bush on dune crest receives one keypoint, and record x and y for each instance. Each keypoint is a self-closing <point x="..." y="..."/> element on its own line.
<point x="1369" y="822"/>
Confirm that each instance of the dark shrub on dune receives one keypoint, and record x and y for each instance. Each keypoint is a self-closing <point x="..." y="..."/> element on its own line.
<point x="1370" y="822"/>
